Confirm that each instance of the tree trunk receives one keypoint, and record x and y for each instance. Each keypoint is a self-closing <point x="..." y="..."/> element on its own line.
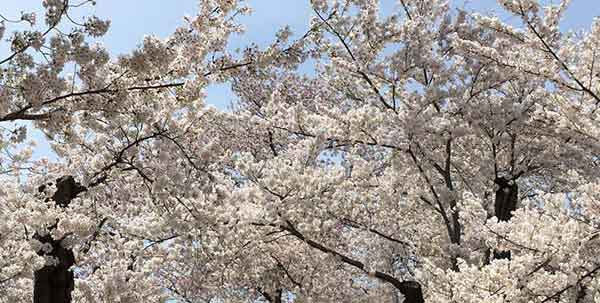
<point x="273" y="298"/>
<point x="507" y="198"/>
<point x="278" y="295"/>
<point x="54" y="283"/>
<point x="412" y="292"/>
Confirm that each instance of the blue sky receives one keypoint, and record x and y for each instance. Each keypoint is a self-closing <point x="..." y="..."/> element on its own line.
<point x="133" y="19"/>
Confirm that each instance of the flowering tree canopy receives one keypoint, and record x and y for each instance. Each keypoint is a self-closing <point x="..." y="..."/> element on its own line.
<point x="430" y="155"/>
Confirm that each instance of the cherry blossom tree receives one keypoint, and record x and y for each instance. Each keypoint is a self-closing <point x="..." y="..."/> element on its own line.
<point x="431" y="155"/>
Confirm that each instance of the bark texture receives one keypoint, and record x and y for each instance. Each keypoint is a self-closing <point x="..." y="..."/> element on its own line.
<point x="412" y="291"/>
<point x="507" y="198"/>
<point x="54" y="283"/>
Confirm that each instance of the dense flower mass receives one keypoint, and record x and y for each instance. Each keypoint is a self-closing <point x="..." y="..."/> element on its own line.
<point x="430" y="155"/>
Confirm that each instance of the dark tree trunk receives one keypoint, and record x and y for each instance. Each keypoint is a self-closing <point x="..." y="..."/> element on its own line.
<point x="54" y="283"/>
<point x="412" y="291"/>
<point x="278" y="294"/>
<point x="273" y="298"/>
<point x="507" y="198"/>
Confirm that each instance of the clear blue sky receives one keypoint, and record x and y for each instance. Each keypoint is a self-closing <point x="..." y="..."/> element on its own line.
<point x="133" y="19"/>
